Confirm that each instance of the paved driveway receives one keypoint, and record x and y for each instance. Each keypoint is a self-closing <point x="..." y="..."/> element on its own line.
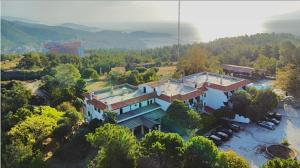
<point x="247" y="142"/>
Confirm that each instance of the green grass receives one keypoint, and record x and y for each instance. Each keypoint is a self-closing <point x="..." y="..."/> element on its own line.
<point x="96" y="85"/>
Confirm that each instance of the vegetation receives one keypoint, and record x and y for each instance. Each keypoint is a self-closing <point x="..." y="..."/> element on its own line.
<point x="184" y="117"/>
<point x="134" y="77"/>
<point x="200" y="151"/>
<point x="230" y="159"/>
<point x="64" y="84"/>
<point x="254" y="104"/>
<point x="117" y="147"/>
<point x="166" y="148"/>
<point x="26" y="128"/>
<point x="281" y="163"/>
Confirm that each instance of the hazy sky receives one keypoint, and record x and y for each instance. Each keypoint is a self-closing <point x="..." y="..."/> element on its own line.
<point x="211" y="19"/>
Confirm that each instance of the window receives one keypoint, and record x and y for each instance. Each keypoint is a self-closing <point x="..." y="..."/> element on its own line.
<point x="121" y="110"/>
<point x="204" y="94"/>
<point x="95" y="108"/>
<point x="151" y="102"/>
<point x="89" y="113"/>
<point x="99" y="110"/>
<point x="140" y="104"/>
<point x="144" y="89"/>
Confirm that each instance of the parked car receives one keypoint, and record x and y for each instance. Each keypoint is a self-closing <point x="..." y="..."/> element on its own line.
<point x="233" y="127"/>
<point x="273" y="120"/>
<point x="217" y="140"/>
<point x="228" y="131"/>
<point x="220" y="134"/>
<point x="266" y="124"/>
<point x="277" y="116"/>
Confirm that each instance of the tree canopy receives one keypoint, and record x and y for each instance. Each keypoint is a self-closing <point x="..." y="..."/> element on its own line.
<point x="117" y="147"/>
<point x="200" y="152"/>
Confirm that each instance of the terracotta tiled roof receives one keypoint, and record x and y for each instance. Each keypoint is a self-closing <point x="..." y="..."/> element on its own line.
<point x="98" y="104"/>
<point x="86" y="95"/>
<point x="236" y="68"/>
<point x="209" y="109"/>
<point x="132" y="101"/>
<point x="229" y="87"/>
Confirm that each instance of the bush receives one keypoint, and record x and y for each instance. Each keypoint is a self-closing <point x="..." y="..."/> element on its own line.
<point x="285" y="142"/>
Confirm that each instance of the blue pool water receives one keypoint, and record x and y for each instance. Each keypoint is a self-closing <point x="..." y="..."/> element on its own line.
<point x="262" y="85"/>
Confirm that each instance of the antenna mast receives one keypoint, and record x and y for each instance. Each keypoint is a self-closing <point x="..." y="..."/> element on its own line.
<point x="178" y="26"/>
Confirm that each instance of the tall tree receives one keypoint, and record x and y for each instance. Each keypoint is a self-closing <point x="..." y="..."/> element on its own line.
<point x="194" y="61"/>
<point x="200" y="152"/>
<point x="117" y="147"/>
<point x="166" y="148"/>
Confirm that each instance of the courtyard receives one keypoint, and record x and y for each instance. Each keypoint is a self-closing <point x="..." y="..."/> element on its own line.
<point x="248" y="141"/>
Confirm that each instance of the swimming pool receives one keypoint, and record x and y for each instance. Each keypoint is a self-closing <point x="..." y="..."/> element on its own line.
<point x="262" y="85"/>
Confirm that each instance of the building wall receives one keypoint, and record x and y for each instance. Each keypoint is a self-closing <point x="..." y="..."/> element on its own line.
<point x="89" y="108"/>
<point x="163" y="104"/>
<point x="215" y="98"/>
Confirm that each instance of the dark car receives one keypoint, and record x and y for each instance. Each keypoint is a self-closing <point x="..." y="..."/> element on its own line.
<point x="233" y="127"/>
<point x="272" y="120"/>
<point x="266" y="124"/>
<point x="228" y="131"/>
<point x="277" y="116"/>
<point x="217" y="140"/>
<point x="220" y="134"/>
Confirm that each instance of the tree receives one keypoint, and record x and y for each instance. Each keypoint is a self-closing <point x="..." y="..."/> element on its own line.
<point x="117" y="147"/>
<point x="281" y="163"/>
<point x="224" y="112"/>
<point x="110" y="117"/>
<point x="266" y="99"/>
<point x="240" y="100"/>
<point x="32" y="60"/>
<point x="63" y="84"/>
<point x="230" y="159"/>
<point x="166" y="148"/>
<point x="183" y="115"/>
<point x="287" y="78"/>
<point x="90" y="73"/>
<point x="67" y="75"/>
<point x="194" y="61"/>
<point x="35" y="128"/>
<point x="16" y="153"/>
<point x="263" y="62"/>
<point x="200" y="152"/>
<point x="287" y="50"/>
<point x="13" y="96"/>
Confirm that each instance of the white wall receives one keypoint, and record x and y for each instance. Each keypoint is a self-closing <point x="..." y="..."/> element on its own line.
<point x="94" y="113"/>
<point x="163" y="104"/>
<point x="148" y="88"/>
<point x="215" y="98"/>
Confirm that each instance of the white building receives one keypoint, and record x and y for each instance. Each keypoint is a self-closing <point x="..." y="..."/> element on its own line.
<point x="141" y="107"/>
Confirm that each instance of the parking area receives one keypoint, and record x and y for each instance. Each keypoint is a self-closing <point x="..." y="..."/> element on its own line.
<point x="248" y="141"/>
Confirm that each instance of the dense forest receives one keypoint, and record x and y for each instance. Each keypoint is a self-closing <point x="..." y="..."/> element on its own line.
<point x="45" y="128"/>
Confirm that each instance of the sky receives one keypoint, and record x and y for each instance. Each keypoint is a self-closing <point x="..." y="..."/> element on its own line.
<point x="214" y="19"/>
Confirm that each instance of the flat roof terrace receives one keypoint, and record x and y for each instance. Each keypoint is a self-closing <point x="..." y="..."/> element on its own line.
<point x="117" y="93"/>
<point x="201" y="78"/>
<point x="173" y="88"/>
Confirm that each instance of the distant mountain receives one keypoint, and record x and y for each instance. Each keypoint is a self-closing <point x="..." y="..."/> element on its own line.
<point x="22" y="36"/>
<point x="287" y="23"/>
<point x="79" y="27"/>
<point x="11" y="18"/>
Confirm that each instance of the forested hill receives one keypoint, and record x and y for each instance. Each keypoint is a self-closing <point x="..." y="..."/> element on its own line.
<point x="16" y="34"/>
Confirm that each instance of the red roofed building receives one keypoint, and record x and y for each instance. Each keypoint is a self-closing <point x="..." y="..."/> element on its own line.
<point x="204" y="92"/>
